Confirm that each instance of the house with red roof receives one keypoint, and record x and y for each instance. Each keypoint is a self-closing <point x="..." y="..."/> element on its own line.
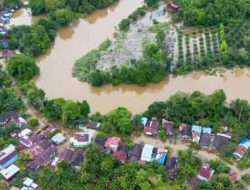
<point x="112" y="143"/>
<point x="172" y="7"/>
<point x="234" y="176"/>
<point x="205" y="173"/>
<point x="122" y="153"/>
<point x="152" y="127"/>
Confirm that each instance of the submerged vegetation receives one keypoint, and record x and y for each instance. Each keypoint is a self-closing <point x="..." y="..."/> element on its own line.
<point x="152" y="66"/>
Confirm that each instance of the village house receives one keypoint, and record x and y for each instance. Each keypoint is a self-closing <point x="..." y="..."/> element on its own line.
<point x="147" y="151"/>
<point x="171" y="167"/>
<point x="59" y="138"/>
<point x="205" y="140"/>
<point x="41" y="151"/>
<point x="134" y="154"/>
<point x="25" y="133"/>
<point x="100" y="141"/>
<point x="172" y="7"/>
<point x="168" y="126"/>
<point x="206" y="137"/>
<point x="112" y="143"/>
<point x="144" y="121"/>
<point x="152" y="127"/>
<point x="18" y="121"/>
<point x="6" y="53"/>
<point x="162" y="157"/>
<point x="4" y="43"/>
<point x="8" y="156"/>
<point x="72" y="157"/>
<point x="43" y="158"/>
<point x="49" y="129"/>
<point x="122" y="153"/>
<point x="205" y="174"/>
<point x="10" y="172"/>
<point x="28" y="142"/>
<point x="81" y="139"/>
<point x="196" y="133"/>
<point x="7" y="116"/>
<point x="93" y="125"/>
<point x="186" y="132"/>
<point x="29" y="184"/>
<point x="220" y="140"/>
<point x="242" y="148"/>
<point x="234" y="176"/>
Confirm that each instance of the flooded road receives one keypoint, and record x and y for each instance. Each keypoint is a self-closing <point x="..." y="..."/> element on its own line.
<point x="23" y="17"/>
<point x="85" y="34"/>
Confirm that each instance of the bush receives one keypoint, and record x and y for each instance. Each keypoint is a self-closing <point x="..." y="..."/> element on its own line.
<point x="22" y="67"/>
<point x="33" y="122"/>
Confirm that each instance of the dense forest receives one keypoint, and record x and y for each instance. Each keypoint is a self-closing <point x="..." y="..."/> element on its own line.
<point x="13" y="4"/>
<point x="80" y="6"/>
<point x="211" y="12"/>
<point x="225" y="25"/>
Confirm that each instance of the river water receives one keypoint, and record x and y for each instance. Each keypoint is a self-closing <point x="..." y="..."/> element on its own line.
<point x="85" y="34"/>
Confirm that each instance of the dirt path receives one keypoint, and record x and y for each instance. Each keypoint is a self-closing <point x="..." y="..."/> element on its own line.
<point x="30" y="110"/>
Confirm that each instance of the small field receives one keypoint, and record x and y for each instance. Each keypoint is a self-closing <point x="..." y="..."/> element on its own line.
<point x="197" y="49"/>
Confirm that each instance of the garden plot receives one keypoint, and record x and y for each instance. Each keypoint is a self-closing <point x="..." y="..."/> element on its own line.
<point x="129" y="45"/>
<point x="194" y="46"/>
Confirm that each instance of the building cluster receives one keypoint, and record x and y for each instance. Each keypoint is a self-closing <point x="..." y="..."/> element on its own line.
<point x="5" y="18"/>
<point x="139" y="153"/>
<point x="47" y="147"/>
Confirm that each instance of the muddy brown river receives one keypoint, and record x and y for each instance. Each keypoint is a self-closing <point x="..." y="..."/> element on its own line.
<point x="85" y="34"/>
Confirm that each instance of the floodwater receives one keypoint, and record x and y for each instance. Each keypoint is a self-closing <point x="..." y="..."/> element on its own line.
<point x="85" y="34"/>
<point x="23" y="17"/>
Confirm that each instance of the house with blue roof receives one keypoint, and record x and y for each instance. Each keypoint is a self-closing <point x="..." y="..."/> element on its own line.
<point x="144" y="121"/>
<point x="196" y="133"/>
<point x="8" y="156"/>
<point x="207" y="130"/>
<point x="242" y="148"/>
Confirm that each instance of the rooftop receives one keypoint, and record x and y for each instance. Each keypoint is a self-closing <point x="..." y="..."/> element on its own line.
<point x="10" y="171"/>
<point x="147" y="152"/>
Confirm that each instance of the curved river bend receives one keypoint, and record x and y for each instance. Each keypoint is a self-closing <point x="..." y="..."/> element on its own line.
<point x="85" y="34"/>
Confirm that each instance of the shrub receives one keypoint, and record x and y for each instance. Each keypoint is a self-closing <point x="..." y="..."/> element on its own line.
<point x="33" y="122"/>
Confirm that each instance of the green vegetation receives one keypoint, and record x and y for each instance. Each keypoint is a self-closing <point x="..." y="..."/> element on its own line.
<point x="153" y="67"/>
<point x="22" y="67"/>
<point x="226" y="41"/>
<point x="101" y="171"/>
<point x="125" y="23"/>
<point x="152" y="3"/>
<point x="79" y="6"/>
<point x="9" y="100"/>
<point x="208" y="110"/>
<point x="14" y="4"/>
<point x="85" y="66"/>
<point x="5" y="138"/>
<point x="211" y="13"/>
<point x="33" y="122"/>
<point x="63" y="16"/>
<point x="36" y="39"/>
<point x="33" y="40"/>
<point x="244" y="163"/>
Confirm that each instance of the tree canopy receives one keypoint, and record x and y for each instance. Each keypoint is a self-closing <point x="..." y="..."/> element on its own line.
<point x="22" y="67"/>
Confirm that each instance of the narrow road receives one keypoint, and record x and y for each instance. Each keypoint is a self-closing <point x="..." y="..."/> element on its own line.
<point x="175" y="148"/>
<point x="30" y="110"/>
